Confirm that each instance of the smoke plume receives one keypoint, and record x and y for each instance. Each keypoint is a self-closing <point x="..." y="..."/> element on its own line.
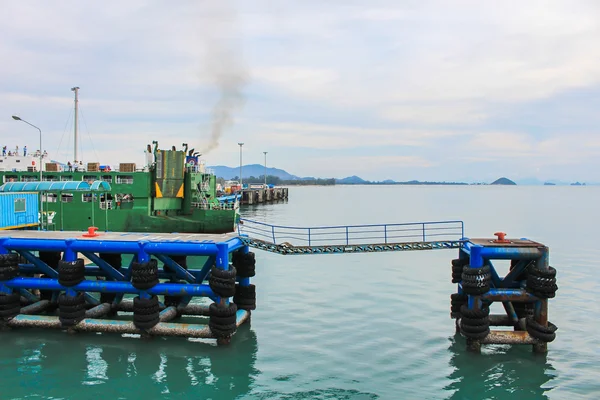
<point x="227" y="70"/>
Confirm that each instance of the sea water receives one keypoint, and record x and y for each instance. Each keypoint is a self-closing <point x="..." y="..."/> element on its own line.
<point x="356" y="326"/>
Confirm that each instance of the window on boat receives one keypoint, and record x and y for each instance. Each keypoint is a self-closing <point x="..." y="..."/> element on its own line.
<point x="11" y="178"/>
<point x="29" y="178"/>
<point x="127" y="179"/>
<point x="66" y="197"/>
<point x="88" y="178"/>
<point x="18" y="160"/>
<point x="66" y="178"/>
<point x="86" y="197"/>
<point x="50" y="197"/>
<point x="106" y="201"/>
<point x="107" y="178"/>
<point x="50" y="178"/>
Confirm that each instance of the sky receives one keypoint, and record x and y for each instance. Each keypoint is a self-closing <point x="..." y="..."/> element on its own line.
<point x="383" y="89"/>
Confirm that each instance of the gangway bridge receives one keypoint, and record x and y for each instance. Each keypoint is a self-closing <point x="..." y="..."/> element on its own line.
<point x="369" y="238"/>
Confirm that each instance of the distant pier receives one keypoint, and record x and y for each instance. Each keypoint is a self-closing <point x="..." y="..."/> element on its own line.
<point x="263" y="195"/>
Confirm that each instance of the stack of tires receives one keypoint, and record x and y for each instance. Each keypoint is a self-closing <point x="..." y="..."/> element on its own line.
<point x="146" y="310"/>
<point x="245" y="296"/>
<point x="223" y="317"/>
<point x="71" y="309"/>
<point x="542" y="284"/>
<point x="475" y="323"/>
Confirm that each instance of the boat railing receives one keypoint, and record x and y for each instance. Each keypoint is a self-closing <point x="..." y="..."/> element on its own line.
<point x="221" y="206"/>
<point x="412" y="232"/>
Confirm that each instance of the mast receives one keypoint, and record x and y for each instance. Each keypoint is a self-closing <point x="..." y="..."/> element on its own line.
<point x="76" y="90"/>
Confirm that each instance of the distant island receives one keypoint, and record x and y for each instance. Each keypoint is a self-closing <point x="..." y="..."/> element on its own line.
<point x="255" y="173"/>
<point x="503" y="181"/>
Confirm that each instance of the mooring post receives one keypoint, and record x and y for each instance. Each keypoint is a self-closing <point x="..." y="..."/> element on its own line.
<point x="474" y="302"/>
<point x="143" y="257"/>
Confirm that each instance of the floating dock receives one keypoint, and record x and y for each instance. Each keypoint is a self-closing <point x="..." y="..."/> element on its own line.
<point x="44" y="282"/>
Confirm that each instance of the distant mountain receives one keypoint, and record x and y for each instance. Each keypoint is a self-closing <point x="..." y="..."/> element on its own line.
<point x="503" y="181"/>
<point x="351" y="180"/>
<point x="255" y="170"/>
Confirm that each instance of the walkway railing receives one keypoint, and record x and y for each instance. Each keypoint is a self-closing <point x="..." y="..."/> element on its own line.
<point x="352" y="238"/>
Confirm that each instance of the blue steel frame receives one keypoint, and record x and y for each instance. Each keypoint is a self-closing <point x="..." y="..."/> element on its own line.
<point x="217" y="253"/>
<point x="507" y="289"/>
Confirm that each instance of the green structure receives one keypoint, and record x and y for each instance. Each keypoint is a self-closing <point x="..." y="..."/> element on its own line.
<point x="172" y="193"/>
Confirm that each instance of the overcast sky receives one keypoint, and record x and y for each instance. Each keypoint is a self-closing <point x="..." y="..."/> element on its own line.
<point x="384" y="89"/>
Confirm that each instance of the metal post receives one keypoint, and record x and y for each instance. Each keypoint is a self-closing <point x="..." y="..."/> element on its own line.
<point x="241" y="179"/>
<point x="76" y="90"/>
<point x="16" y="118"/>
<point x="265" y="153"/>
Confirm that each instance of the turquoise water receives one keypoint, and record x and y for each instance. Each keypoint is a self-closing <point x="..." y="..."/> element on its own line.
<point x="356" y="326"/>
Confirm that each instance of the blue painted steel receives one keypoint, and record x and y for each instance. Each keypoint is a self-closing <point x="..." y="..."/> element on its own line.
<point x="434" y="231"/>
<point x="504" y="253"/>
<point x="172" y="289"/>
<point x="48" y="186"/>
<point x="104" y="266"/>
<point x="180" y="272"/>
<point x="520" y="293"/>
<point x="19" y="210"/>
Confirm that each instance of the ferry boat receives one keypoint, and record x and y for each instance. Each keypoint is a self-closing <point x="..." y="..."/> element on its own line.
<point x="172" y="192"/>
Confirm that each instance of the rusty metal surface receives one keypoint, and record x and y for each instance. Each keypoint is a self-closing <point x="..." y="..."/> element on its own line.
<point x="500" y="320"/>
<point x="501" y="294"/>
<point x="98" y="311"/>
<point x="512" y="243"/>
<point x="508" y="337"/>
<point x="35" y="307"/>
<point x="168" y="314"/>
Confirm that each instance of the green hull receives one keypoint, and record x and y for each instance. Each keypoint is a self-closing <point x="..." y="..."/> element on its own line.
<point x="167" y="198"/>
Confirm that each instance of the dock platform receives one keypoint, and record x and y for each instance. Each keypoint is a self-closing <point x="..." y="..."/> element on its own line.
<point x="44" y="282"/>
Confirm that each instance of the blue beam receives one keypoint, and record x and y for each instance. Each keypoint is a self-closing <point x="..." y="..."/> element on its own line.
<point x="172" y="289"/>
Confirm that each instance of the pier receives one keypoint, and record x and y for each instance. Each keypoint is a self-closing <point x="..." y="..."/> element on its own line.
<point x="263" y="195"/>
<point x="45" y="283"/>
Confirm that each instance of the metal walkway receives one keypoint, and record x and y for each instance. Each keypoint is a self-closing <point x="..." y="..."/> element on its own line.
<point x="352" y="238"/>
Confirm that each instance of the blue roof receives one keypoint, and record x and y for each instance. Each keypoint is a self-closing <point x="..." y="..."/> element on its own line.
<point x="54" y="186"/>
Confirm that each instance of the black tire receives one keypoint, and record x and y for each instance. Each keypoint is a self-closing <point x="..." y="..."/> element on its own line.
<point x="239" y="258"/>
<point x="220" y="311"/>
<point x="475" y="321"/>
<point x="223" y="320"/>
<point x="223" y="274"/>
<point x="549" y="273"/>
<point x="64" y="300"/>
<point x="144" y="275"/>
<point x="71" y="273"/>
<point x="9" y="259"/>
<point x="147" y="325"/>
<point x="222" y="331"/>
<point x="75" y="308"/>
<point x="145" y="318"/>
<point x="70" y="322"/>
<point x="9" y="272"/>
<point x="458" y="298"/>
<point x="484" y="270"/>
<point x="246" y="272"/>
<point x="533" y="324"/>
<point x="10" y="312"/>
<point x="145" y="306"/>
<point x="77" y="315"/>
<point x="222" y="288"/>
<point x="476" y="336"/>
<point x="473" y="328"/>
<point x="12" y="298"/>
<point x="484" y="312"/>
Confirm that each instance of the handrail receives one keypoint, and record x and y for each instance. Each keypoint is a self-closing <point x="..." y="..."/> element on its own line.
<point x="409" y="232"/>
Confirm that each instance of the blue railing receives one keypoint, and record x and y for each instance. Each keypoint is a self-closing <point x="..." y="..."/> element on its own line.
<point x="412" y="232"/>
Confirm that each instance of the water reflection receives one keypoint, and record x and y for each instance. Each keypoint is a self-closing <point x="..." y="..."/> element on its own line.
<point x="500" y="372"/>
<point x="58" y="365"/>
